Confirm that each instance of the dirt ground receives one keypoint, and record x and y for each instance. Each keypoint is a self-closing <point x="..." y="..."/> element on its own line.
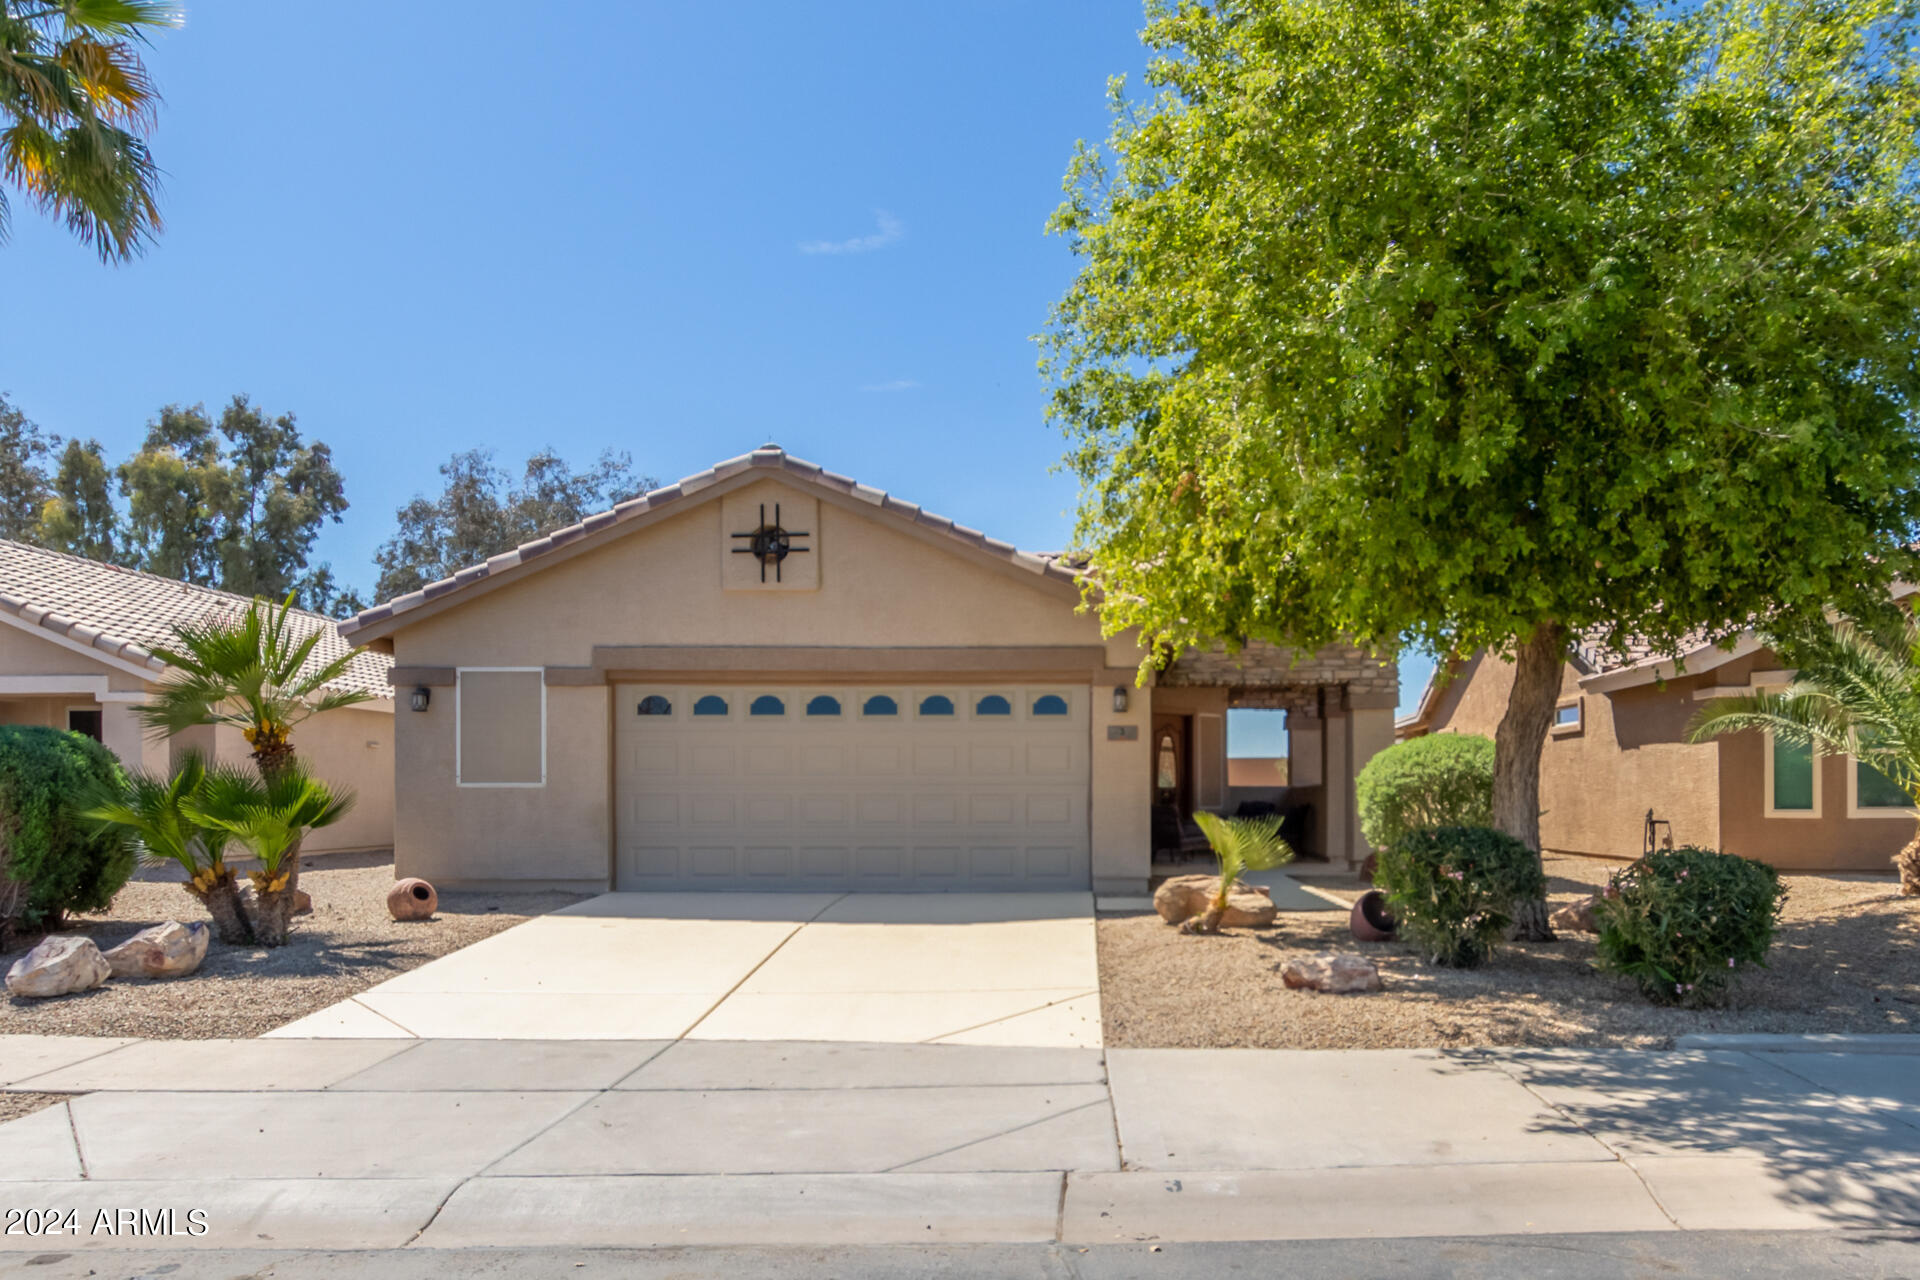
<point x="1845" y="959"/>
<point x="348" y="944"/>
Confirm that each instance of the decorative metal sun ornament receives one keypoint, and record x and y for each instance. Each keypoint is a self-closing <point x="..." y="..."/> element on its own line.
<point x="770" y="543"/>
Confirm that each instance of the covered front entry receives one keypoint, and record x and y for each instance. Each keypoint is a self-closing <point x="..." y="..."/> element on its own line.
<point x="851" y="787"/>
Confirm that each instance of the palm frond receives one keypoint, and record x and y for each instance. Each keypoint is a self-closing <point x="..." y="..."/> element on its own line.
<point x="1244" y="844"/>
<point x="1856" y="693"/>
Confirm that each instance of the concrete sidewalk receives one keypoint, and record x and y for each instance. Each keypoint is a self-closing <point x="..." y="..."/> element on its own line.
<point x="957" y="968"/>
<point x="449" y="1144"/>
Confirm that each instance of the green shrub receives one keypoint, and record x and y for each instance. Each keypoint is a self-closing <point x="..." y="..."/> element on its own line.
<point x="1442" y="780"/>
<point x="1453" y="889"/>
<point x="1681" y="922"/>
<point x="61" y="861"/>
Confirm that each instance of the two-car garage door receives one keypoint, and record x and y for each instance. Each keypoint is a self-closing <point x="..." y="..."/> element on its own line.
<point x="851" y="788"/>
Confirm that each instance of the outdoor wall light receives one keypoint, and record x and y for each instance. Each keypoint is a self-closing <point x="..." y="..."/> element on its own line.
<point x="1119" y="697"/>
<point x="420" y="697"/>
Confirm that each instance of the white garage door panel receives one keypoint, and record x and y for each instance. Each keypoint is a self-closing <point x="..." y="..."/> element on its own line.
<point x="853" y="801"/>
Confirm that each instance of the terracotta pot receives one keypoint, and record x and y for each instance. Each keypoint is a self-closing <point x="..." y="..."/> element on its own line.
<point x="412" y="899"/>
<point x="1371" y="921"/>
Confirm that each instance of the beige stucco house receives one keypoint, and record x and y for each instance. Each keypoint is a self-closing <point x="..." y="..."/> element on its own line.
<point x="1617" y="750"/>
<point x="76" y="653"/>
<point x="772" y="676"/>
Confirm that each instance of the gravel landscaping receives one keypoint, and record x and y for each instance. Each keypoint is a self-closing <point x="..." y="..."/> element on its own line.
<point x="348" y="944"/>
<point x="15" y="1105"/>
<point x="1845" y="959"/>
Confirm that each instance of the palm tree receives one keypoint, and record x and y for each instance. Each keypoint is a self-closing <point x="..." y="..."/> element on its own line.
<point x="1857" y="693"/>
<point x="269" y="816"/>
<point x="75" y="105"/>
<point x="156" y="811"/>
<point x="254" y="672"/>
<point x="1241" y="845"/>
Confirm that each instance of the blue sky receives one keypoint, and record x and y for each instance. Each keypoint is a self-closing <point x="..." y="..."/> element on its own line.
<point x="678" y="230"/>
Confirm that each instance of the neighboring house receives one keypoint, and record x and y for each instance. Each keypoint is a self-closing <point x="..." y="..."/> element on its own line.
<point x="1618" y="749"/>
<point x="76" y="652"/>
<point x="771" y="676"/>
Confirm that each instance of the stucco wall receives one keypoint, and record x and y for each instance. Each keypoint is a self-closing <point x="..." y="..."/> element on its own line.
<point x="24" y="654"/>
<point x="879" y="587"/>
<point x="353" y="748"/>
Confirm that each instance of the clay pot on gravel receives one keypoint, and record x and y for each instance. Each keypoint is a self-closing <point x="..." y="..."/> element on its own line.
<point x="1370" y="920"/>
<point x="412" y="899"/>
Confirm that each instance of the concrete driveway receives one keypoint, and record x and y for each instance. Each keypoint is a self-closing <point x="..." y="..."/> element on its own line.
<point x="1015" y="969"/>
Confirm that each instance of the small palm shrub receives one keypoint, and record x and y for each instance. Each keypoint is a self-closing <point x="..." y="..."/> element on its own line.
<point x="56" y="860"/>
<point x="1241" y="845"/>
<point x="1682" y="922"/>
<point x="1442" y="780"/>
<point x="1453" y="888"/>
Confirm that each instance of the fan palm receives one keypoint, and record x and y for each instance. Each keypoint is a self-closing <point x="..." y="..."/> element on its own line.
<point x="155" y="811"/>
<point x="1857" y="693"/>
<point x="75" y="104"/>
<point x="269" y="816"/>
<point x="256" y="672"/>
<point x="1241" y="845"/>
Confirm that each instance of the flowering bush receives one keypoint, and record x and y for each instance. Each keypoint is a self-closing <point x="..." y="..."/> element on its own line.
<point x="1681" y="922"/>
<point x="1453" y="889"/>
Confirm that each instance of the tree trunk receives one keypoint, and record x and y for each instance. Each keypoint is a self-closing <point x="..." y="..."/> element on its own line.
<point x="1517" y="744"/>
<point x="221" y="898"/>
<point x="273" y="906"/>
<point x="273" y="758"/>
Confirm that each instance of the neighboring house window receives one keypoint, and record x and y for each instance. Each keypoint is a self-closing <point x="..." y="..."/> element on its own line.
<point x="824" y="705"/>
<point x="1871" y="794"/>
<point x="1566" y="718"/>
<point x="86" y="721"/>
<point x="993" y="705"/>
<point x="1051" y="704"/>
<point x="655" y="705"/>
<point x="879" y="705"/>
<point x="767" y="705"/>
<point x="500" y="727"/>
<point x="1792" y="780"/>
<point x="711" y="705"/>
<point x="938" y="704"/>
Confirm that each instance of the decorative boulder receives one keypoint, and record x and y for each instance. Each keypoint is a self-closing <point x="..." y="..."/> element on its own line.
<point x="1331" y="972"/>
<point x="1248" y="906"/>
<point x="1575" y="917"/>
<point x="60" y="964"/>
<point x="412" y="899"/>
<point x="170" y="950"/>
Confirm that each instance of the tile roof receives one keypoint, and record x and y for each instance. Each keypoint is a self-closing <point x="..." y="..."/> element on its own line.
<point x="125" y="614"/>
<point x="770" y="458"/>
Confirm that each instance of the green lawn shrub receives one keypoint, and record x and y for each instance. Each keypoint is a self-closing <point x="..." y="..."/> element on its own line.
<point x="57" y="861"/>
<point x="1441" y="780"/>
<point x="1682" y="922"/>
<point x="1453" y="889"/>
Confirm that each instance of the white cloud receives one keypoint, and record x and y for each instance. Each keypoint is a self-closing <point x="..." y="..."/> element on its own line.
<point x="890" y="231"/>
<point x="898" y="384"/>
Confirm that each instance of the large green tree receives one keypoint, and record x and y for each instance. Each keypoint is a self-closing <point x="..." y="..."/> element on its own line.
<point x="24" y="483"/>
<point x="235" y="503"/>
<point x="1497" y="323"/>
<point x="79" y="517"/>
<point x="481" y="512"/>
<point x="75" y="108"/>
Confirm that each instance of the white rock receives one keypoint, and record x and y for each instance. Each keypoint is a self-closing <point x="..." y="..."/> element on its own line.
<point x="170" y="950"/>
<point x="1331" y="972"/>
<point x="60" y="964"/>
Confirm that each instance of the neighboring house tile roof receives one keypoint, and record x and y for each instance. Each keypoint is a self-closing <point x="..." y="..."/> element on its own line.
<point x="770" y="458"/>
<point x="126" y="614"/>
